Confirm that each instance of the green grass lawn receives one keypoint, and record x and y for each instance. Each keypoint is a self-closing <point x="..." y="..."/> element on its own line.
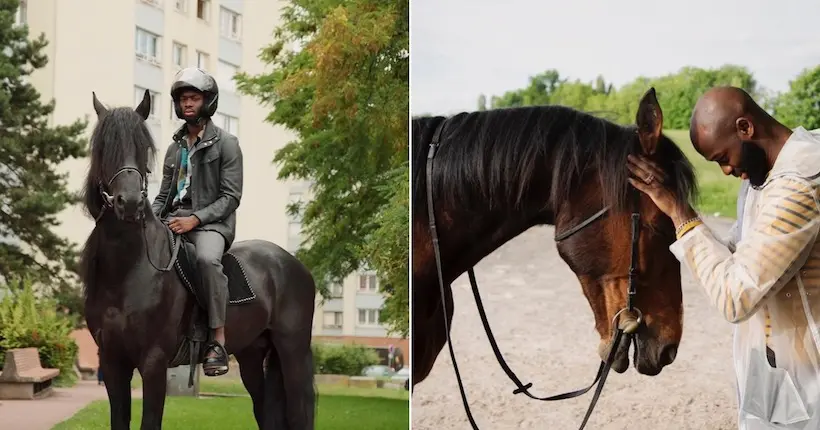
<point x="718" y="192"/>
<point x="339" y="408"/>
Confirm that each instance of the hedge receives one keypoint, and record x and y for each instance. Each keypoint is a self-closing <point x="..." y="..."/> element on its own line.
<point x="342" y="359"/>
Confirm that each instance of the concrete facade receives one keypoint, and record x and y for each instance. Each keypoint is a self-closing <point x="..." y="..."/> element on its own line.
<point x="140" y="45"/>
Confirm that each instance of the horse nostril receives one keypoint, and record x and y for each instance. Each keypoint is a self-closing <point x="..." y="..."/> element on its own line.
<point x="668" y="354"/>
<point x="119" y="201"/>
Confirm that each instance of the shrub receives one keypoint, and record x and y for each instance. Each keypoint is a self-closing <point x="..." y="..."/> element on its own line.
<point x="27" y="321"/>
<point x="336" y="359"/>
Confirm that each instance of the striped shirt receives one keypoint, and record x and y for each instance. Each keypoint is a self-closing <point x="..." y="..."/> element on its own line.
<point x="777" y="245"/>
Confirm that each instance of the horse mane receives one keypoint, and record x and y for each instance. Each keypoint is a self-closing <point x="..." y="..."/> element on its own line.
<point x="490" y="158"/>
<point x="120" y="136"/>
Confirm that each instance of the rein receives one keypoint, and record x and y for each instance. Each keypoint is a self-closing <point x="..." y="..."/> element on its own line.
<point x="108" y="202"/>
<point x="605" y="366"/>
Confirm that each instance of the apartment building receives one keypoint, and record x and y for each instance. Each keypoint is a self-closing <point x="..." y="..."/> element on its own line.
<point x="351" y="312"/>
<point x="120" y="48"/>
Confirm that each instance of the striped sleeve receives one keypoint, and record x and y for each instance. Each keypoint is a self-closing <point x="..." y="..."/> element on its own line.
<point x="767" y="256"/>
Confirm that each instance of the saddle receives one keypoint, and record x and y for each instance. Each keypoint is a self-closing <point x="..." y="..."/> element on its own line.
<point x="240" y="292"/>
<point x="239" y="288"/>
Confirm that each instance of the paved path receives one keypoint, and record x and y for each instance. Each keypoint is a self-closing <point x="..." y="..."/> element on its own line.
<point x="544" y="327"/>
<point x="43" y="414"/>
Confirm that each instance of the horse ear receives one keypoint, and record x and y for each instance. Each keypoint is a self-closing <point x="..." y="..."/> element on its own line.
<point x="649" y="121"/>
<point x="98" y="107"/>
<point x="144" y="109"/>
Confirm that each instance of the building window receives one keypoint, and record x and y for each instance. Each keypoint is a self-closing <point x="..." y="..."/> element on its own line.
<point x="179" y="55"/>
<point x="147" y="46"/>
<point x="369" y="317"/>
<point x="336" y="291"/>
<point x="173" y="112"/>
<point x="368" y="283"/>
<point x="224" y="74"/>
<point x="203" y="9"/>
<point x="20" y="18"/>
<point x="230" y="24"/>
<point x="333" y="319"/>
<point x="294" y="234"/>
<point x="181" y="6"/>
<point x="232" y="125"/>
<point x="226" y="122"/>
<point x="202" y="60"/>
<point x="219" y="120"/>
<point x="139" y="93"/>
<point x="296" y="198"/>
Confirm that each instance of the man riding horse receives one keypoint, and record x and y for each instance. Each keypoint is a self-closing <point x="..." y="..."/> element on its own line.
<point x="200" y="192"/>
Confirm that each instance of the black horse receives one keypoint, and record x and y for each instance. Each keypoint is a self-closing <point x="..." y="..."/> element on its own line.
<point x="141" y="300"/>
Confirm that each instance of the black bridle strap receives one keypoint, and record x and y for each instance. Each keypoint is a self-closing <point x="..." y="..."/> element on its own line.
<point x="595" y="217"/>
<point x="175" y="242"/>
<point x="437" y="252"/>
<point x="605" y="366"/>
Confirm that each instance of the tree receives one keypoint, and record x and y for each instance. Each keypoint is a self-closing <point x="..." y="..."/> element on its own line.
<point x="677" y="93"/>
<point x="800" y="106"/>
<point x="31" y="190"/>
<point x="539" y="91"/>
<point x="345" y="94"/>
<point x="482" y="102"/>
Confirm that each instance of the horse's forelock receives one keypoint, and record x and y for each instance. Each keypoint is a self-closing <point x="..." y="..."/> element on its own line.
<point x="119" y="135"/>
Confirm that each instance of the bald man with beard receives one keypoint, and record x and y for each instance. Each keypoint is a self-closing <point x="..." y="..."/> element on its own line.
<point x="767" y="280"/>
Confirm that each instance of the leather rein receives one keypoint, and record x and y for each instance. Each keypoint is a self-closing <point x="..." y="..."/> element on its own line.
<point x="108" y="203"/>
<point x="603" y="369"/>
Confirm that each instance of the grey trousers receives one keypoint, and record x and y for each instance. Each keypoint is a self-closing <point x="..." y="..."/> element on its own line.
<point x="209" y="249"/>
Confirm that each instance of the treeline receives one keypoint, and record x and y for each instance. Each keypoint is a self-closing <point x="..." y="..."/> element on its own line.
<point x="677" y="93"/>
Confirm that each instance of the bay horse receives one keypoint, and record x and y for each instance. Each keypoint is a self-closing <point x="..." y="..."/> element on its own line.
<point x="141" y="292"/>
<point x="491" y="175"/>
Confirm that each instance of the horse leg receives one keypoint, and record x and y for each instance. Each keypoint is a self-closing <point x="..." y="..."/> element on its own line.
<point x="252" y="370"/>
<point x="117" y="379"/>
<point x="275" y="398"/>
<point x="154" y="386"/>
<point x="296" y="364"/>
<point x="429" y="333"/>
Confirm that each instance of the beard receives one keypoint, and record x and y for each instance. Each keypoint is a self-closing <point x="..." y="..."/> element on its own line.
<point x="754" y="162"/>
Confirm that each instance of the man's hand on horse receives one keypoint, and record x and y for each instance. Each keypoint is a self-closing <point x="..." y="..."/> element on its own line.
<point x="649" y="178"/>
<point x="183" y="225"/>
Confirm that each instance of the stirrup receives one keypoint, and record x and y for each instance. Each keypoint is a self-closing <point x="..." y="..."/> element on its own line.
<point x="215" y="366"/>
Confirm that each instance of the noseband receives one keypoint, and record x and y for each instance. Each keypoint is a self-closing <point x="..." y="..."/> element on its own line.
<point x="603" y="369"/>
<point x="108" y="202"/>
<point x="108" y="199"/>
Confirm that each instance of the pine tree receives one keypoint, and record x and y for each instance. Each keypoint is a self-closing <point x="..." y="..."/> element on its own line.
<point x="32" y="191"/>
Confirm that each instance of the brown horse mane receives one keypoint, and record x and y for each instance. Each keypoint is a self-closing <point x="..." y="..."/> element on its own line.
<point x="489" y="158"/>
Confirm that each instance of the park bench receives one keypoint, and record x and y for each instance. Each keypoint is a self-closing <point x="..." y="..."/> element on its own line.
<point x="23" y="377"/>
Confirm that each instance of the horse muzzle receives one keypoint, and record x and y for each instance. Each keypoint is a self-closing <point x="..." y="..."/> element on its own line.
<point x="129" y="208"/>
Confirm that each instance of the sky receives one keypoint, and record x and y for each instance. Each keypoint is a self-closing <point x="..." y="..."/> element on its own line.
<point x="463" y="48"/>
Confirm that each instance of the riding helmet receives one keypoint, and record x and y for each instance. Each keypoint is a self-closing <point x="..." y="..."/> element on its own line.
<point x="199" y="80"/>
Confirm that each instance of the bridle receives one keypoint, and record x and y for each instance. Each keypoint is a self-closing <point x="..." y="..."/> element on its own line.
<point x="620" y="331"/>
<point x="108" y="203"/>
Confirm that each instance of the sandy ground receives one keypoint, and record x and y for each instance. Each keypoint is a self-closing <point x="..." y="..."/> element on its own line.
<point x="545" y="329"/>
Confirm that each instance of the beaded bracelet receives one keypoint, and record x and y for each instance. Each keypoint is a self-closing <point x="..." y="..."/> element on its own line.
<point x="687" y="225"/>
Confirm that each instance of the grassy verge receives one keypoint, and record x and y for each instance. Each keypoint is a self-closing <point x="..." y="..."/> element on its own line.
<point x="232" y="385"/>
<point x="718" y="192"/>
<point x="339" y="408"/>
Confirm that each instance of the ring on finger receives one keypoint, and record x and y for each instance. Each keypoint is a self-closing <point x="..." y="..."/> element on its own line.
<point x="650" y="178"/>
